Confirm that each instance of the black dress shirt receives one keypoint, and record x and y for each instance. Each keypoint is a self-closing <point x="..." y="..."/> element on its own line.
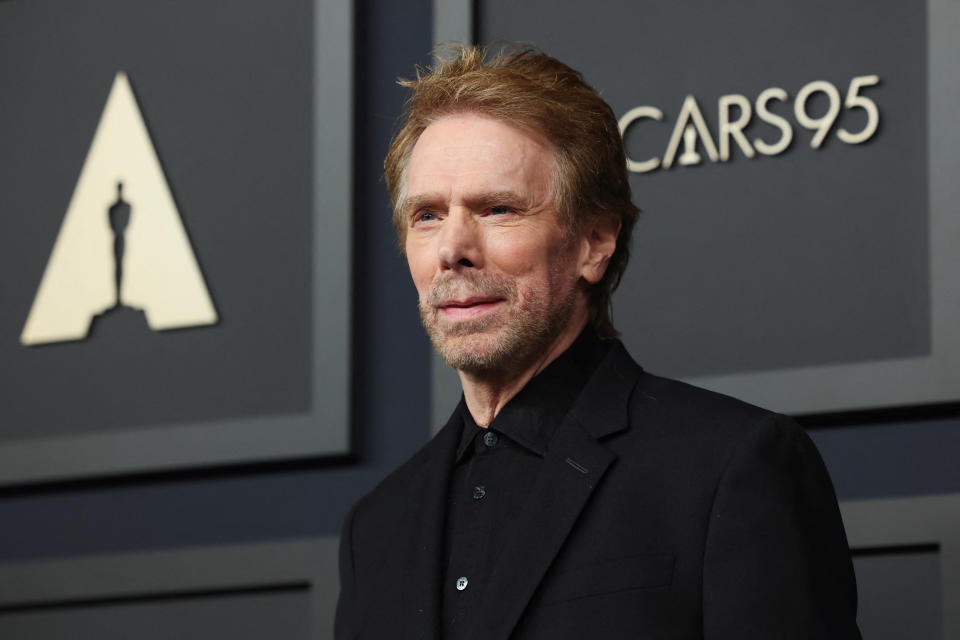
<point x="495" y="467"/>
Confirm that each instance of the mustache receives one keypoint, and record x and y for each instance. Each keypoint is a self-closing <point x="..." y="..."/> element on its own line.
<point x="460" y="286"/>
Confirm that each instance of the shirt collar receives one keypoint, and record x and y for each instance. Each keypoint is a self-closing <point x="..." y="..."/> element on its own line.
<point x="531" y="417"/>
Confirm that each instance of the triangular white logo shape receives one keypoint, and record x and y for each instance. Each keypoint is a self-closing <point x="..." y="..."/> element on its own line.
<point x="160" y="271"/>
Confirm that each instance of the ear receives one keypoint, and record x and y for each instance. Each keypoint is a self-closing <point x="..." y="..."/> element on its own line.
<point x="598" y="242"/>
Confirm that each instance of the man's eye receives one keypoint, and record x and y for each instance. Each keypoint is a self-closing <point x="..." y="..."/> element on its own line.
<point x="500" y="210"/>
<point x="426" y="216"/>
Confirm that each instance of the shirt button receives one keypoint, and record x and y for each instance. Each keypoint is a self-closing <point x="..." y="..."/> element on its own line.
<point x="490" y="439"/>
<point x="462" y="583"/>
<point x="479" y="492"/>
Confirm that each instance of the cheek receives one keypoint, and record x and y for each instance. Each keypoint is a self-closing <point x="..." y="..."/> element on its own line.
<point x="541" y="263"/>
<point x="564" y="273"/>
<point x="515" y="258"/>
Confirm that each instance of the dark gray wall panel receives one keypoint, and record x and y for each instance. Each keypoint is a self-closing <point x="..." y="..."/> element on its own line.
<point x="278" y="590"/>
<point x="735" y="263"/>
<point x="255" y="136"/>
<point x="232" y="126"/>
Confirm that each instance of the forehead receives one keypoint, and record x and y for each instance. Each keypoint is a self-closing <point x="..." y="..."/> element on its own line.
<point x="471" y="150"/>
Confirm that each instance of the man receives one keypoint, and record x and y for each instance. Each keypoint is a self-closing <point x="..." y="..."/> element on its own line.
<point x="571" y="494"/>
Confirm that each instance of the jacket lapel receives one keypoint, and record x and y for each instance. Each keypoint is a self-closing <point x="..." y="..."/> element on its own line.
<point x="425" y="514"/>
<point x="573" y="467"/>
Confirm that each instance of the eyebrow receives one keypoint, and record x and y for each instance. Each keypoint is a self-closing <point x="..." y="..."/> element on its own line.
<point x="498" y="198"/>
<point x="413" y="203"/>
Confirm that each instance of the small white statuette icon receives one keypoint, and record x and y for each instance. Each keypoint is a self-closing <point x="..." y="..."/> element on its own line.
<point x="689" y="155"/>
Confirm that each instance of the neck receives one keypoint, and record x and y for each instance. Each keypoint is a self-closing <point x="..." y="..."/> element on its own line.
<point x="487" y="393"/>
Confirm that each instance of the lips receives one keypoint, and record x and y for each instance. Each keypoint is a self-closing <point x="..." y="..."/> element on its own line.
<point x="469" y="307"/>
<point x="469" y="302"/>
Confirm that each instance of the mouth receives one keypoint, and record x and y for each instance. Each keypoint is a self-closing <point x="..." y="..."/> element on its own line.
<point x="468" y="307"/>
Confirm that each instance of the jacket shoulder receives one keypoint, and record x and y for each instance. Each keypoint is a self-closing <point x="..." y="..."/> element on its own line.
<point x="685" y="398"/>
<point x="663" y="408"/>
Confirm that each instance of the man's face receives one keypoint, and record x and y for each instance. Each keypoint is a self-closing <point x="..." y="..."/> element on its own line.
<point x="496" y="275"/>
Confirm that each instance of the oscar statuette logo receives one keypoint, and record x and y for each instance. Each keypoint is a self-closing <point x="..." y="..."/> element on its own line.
<point x="122" y="248"/>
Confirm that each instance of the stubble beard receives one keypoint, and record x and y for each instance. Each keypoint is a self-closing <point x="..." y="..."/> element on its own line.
<point x="501" y="343"/>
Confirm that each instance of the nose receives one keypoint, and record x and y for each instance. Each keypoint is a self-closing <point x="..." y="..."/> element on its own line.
<point x="459" y="241"/>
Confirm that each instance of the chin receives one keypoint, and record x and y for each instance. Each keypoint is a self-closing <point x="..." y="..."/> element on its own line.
<point x="484" y="353"/>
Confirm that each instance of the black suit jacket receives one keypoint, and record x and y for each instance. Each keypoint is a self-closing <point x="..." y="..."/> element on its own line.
<point x="663" y="511"/>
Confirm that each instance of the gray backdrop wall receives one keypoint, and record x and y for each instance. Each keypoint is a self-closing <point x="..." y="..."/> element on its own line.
<point x="903" y="456"/>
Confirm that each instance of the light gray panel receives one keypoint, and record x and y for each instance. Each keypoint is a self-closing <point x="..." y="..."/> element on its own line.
<point x="899" y="596"/>
<point x="281" y="615"/>
<point x="452" y="21"/>
<point x="445" y="391"/>
<point x="906" y="522"/>
<point x="270" y="589"/>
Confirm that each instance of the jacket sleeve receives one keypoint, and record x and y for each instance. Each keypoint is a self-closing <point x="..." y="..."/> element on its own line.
<point x="776" y="562"/>
<point x="345" y="624"/>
